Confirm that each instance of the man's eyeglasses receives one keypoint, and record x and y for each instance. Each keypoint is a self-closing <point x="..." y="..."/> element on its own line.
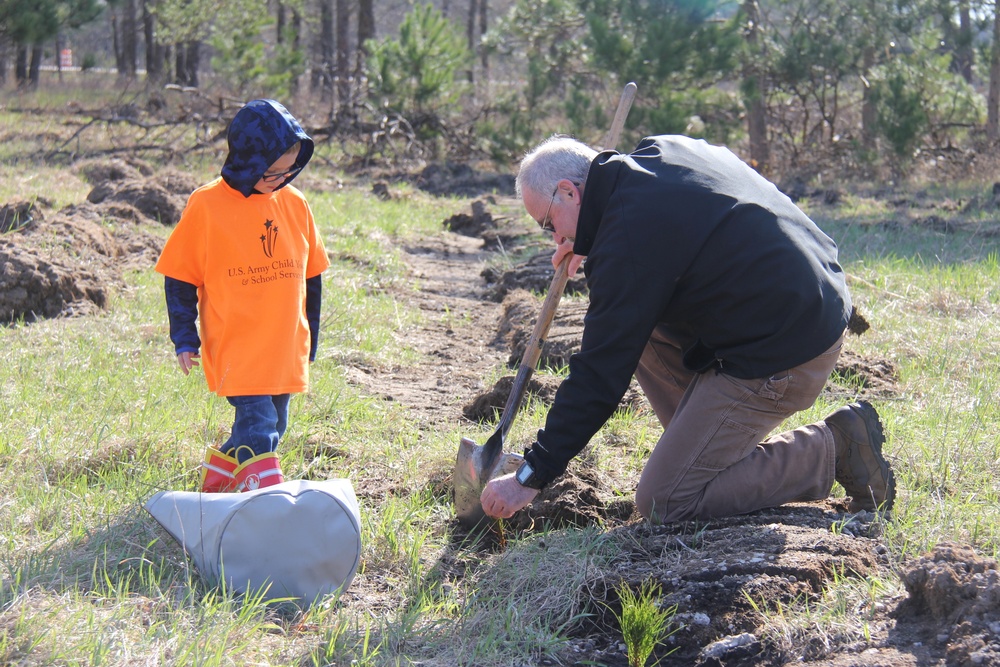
<point x="546" y="222"/>
<point x="271" y="178"/>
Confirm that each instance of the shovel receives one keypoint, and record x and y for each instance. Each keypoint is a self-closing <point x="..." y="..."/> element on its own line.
<point x="476" y="465"/>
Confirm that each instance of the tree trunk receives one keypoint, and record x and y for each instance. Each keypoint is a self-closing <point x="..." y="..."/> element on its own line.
<point x="169" y="61"/>
<point x="59" y="60"/>
<point x="193" y="49"/>
<point x="296" y="28"/>
<point x="130" y="47"/>
<point x="180" y="67"/>
<point x="366" y="31"/>
<point x="3" y="64"/>
<point x="470" y="36"/>
<point x="322" y="72"/>
<point x="116" y="41"/>
<point x="753" y="91"/>
<point x="279" y="23"/>
<point x="964" y="55"/>
<point x="993" y="101"/>
<point x="154" y="50"/>
<point x="36" y="65"/>
<point x="21" y="66"/>
<point x="868" y="114"/>
<point x="187" y="54"/>
<point x="343" y="54"/>
<point x="484" y="6"/>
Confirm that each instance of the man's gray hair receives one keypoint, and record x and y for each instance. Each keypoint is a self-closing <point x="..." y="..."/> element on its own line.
<point x="555" y="158"/>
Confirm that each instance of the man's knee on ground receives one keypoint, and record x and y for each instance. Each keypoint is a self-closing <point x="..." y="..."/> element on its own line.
<point x="652" y="509"/>
<point x="663" y="509"/>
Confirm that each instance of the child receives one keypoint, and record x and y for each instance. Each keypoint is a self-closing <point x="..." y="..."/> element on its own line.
<point x="247" y="254"/>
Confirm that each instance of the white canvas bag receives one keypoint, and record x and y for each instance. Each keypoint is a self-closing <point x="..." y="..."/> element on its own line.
<point x="298" y="539"/>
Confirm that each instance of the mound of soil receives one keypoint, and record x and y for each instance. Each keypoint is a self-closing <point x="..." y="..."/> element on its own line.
<point x="958" y="591"/>
<point x="720" y="578"/>
<point x="534" y="275"/>
<point x="160" y="197"/>
<point x="63" y="263"/>
<point x="34" y="286"/>
<point x="496" y="233"/>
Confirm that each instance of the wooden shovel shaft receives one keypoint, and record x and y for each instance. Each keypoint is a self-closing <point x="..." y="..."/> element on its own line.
<point x="621" y="113"/>
<point x="533" y="351"/>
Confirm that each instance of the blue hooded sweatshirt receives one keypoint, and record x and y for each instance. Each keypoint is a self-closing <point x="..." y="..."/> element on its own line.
<point x="259" y="134"/>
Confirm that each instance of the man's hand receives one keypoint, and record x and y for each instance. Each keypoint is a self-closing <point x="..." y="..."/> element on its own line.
<point x="503" y="496"/>
<point x="187" y="361"/>
<point x="563" y="249"/>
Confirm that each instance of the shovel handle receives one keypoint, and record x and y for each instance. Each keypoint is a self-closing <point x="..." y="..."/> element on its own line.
<point x="624" y="104"/>
<point x="533" y="350"/>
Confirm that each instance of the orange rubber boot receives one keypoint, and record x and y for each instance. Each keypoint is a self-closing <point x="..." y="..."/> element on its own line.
<point x="217" y="472"/>
<point x="261" y="471"/>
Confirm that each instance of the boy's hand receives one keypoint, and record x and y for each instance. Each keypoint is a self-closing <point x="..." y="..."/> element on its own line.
<point x="187" y="361"/>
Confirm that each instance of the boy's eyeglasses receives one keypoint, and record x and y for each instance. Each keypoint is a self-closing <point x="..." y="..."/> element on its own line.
<point x="271" y="178"/>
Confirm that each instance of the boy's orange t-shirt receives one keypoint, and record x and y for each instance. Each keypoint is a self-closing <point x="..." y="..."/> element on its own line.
<point x="249" y="257"/>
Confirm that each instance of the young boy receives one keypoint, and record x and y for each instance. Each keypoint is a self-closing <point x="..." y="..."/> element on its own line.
<point x="247" y="254"/>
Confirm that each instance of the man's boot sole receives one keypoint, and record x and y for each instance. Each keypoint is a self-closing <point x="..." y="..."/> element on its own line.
<point x="877" y="436"/>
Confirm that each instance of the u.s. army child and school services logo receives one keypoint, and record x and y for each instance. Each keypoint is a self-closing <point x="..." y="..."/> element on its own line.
<point x="276" y="269"/>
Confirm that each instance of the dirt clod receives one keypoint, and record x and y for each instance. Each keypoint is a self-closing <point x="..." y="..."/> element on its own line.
<point x="18" y="215"/>
<point x="872" y="377"/>
<point x="154" y="201"/>
<point x="488" y="407"/>
<point x="460" y="179"/>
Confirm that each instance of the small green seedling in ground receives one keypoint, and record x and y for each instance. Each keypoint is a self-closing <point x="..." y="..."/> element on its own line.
<point x="644" y="623"/>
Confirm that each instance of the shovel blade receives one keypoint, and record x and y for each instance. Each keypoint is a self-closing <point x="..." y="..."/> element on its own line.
<point x="470" y="478"/>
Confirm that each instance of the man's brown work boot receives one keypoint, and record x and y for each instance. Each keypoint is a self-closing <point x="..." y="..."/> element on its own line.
<point x="860" y="467"/>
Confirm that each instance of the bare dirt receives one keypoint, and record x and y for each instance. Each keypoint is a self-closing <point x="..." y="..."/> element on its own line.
<point x="720" y="574"/>
<point x="64" y="263"/>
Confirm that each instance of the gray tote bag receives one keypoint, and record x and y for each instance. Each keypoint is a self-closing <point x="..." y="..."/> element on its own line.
<point x="298" y="539"/>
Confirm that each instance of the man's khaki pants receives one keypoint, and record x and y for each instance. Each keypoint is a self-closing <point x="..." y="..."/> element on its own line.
<point x="711" y="460"/>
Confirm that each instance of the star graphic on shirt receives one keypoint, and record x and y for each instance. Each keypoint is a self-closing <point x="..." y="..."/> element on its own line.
<point x="268" y="238"/>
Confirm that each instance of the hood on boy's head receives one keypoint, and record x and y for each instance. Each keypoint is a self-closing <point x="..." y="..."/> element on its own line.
<point x="259" y="134"/>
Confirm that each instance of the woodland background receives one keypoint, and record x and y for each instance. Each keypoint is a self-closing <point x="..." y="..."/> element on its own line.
<point x="863" y="88"/>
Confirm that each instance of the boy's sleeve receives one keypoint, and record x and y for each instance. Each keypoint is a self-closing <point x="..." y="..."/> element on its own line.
<point x="182" y="310"/>
<point x="314" y="301"/>
<point x="317" y="262"/>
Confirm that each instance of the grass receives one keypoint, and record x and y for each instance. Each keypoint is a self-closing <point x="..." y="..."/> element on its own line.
<point x="644" y="623"/>
<point x="96" y="418"/>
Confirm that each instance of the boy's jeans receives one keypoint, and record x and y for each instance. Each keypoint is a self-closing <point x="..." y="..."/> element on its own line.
<point x="260" y="422"/>
<point x="713" y="459"/>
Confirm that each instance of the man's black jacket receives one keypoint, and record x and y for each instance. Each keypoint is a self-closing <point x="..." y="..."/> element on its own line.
<point x="684" y="233"/>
